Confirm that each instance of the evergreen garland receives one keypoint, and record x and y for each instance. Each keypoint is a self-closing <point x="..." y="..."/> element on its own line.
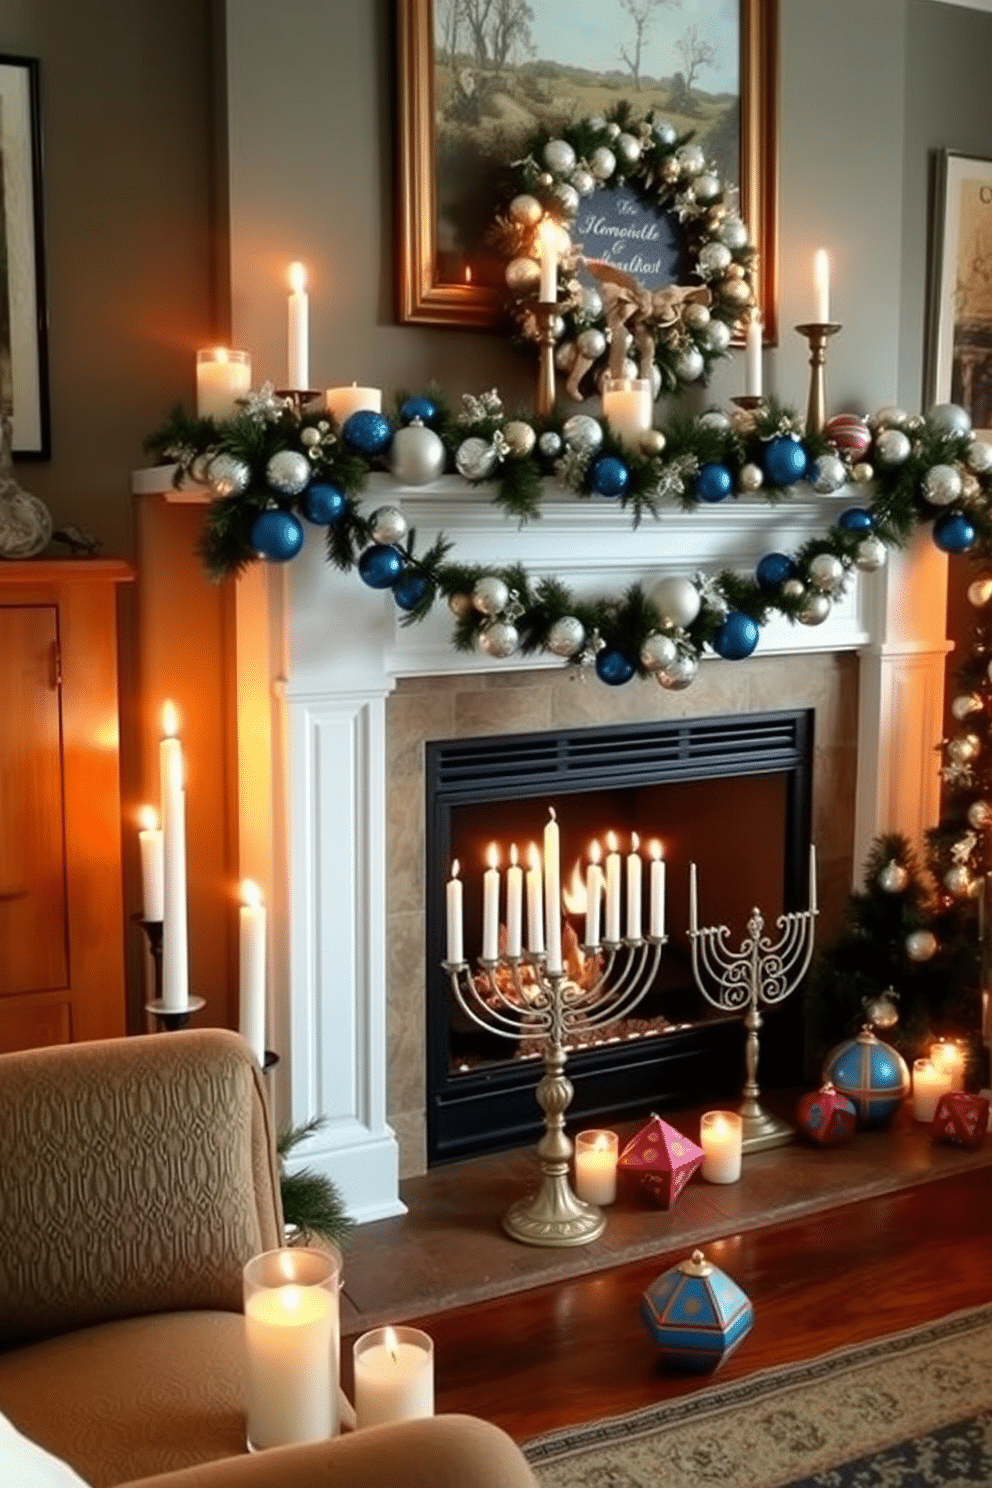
<point x="310" y="1201"/>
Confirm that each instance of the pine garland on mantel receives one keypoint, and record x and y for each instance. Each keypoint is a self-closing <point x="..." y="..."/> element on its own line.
<point x="275" y="469"/>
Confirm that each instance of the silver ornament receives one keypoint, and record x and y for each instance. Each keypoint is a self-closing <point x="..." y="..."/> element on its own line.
<point x="475" y="459"/>
<point x="889" y="417"/>
<point x="690" y="366"/>
<point x="793" y="589"/>
<point x="942" y="485"/>
<point x="677" y="601"/>
<point x="734" y="233"/>
<point x="980" y="815"/>
<point x="815" y="609"/>
<point x="679" y="674"/>
<point x="545" y="179"/>
<point x="695" y="316"/>
<point x="590" y="302"/>
<point x="559" y="156"/>
<point x="228" y="476"/>
<point x="550" y="444"/>
<point x="652" y="442"/>
<point x="499" y="638"/>
<point x="200" y="469"/>
<point x="881" y="1011"/>
<point x="828" y="474"/>
<point x="603" y="163"/>
<point x="629" y="149"/>
<point x="584" y="182"/>
<point x="979" y="457"/>
<point x="714" y="418"/>
<point x="558" y="327"/>
<point x="691" y="159"/>
<point x="388" y="525"/>
<point x="526" y="209"/>
<point x="706" y="187"/>
<point x="921" y="945"/>
<point x="582" y="433"/>
<point x="949" y="418"/>
<point x="416" y="455"/>
<point x="826" y="572"/>
<point x="717" y="335"/>
<point x="963" y="749"/>
<point x="965" y="704"/>
<point x="870" y="555"/>
<point x="893" y="877"/>
<point x="751" y="478"/>
<point x="310" y="437"/>
<point x="460" y="605"/>
<point x="980" y="592"/>
<point x="522" y="274"/>
<point x="591" y="343"/>
<point x="288" y="472"/>
<point x="713" y="259"/>
<point x="519" y="436"/>
<point x="957" y="881"/>
<point x="566" y="637"/>
<point x="738" y="292"/>
<point x="658" y="651"/>
<point x="892" y="446"/>
<point x="565" y="355"/>
<point x="490" y="595"/>
<point x="568" y="197"/>
<point x="862" y="473"/>
<point x="612" y="129"/>
<point x="666" y="133"/>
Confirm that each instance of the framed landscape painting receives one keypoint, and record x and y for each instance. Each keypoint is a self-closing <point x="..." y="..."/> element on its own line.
<point x="959" y="351"/>
<point x="23" y="319"/>
<point x="477" y="77"/>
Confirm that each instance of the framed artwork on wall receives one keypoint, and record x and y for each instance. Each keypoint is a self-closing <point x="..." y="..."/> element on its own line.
<point x="475" y="79"/>
<point x="958" y="367"/>
<point x="23" y="315"/>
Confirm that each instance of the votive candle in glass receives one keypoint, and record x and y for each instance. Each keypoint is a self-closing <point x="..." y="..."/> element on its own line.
<point x="948" y="1055"/>
<point x="222" y="377"/>
<point x="292" y="1337"/>
<point x="930" y="1082"/>
<point x="627" y="408"/>
<point x="596" y="1166"/>
<point x="720" y="1136"/>
<point x="394" y="1376"/>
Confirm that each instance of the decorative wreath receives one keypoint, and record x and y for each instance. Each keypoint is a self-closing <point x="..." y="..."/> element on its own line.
<point x="276" y="471"/>
<point x="671" y="335"/>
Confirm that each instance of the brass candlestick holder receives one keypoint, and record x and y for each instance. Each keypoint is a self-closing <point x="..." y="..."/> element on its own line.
<point x="546" y="312"/>
<point x="817" y="333"/>
<point x="748" y="401"/>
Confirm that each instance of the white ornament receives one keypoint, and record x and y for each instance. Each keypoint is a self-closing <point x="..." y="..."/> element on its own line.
<point x="567" y="195"/>
<point x="666" y="133"/>
<point x="963" y="749"/>
<point x="582" y="433"/>
<point x="228" y="476"/>
<point x="826" y="572"/>
<point x="714" y="418"/>
<point x="628" y="149"/>
<point x="550" y="444"/>
<point x="288" y="472"/>
<point x="566" y="637"/>
<point x="559" y="156"/>
<point x="892" y="446"/>
<point x="584" y="182"/>
<point x="734" y="233"/>
<point x="680" y="674"/>
<point x="388" y="525"/>
<point x="676" y="600"/>
<point x="893" y="878"/>
<point x="691" y="159"/>
<point x="793" y="589"/>
<point x="475" y="459"/>
<point x="612" y="130"/>
<point x="603" y="163"/>
<point x="490" y="595"/>
<point x="590" y="302"/>
<point x="980" y="592"/>
<point x="949" y="418"/>
<point x="980" y="815"/>
<point x="942" y="485"/>
<point x="871" y="554"/>
<point x="751" y="478"/>
<point x="690" y="366"/>
<point x="713" y="259"/>
<point x="591" y="343"/>
<point x="957" y="881"/>
<point x="519" y="436"/>
<point x="921" y="945"/>
<point x="979" y="457"/>
<point x="717" y="335"/>
<point x="499" y="638"/>
<point x="526" y="209"/>
<point x="815" y="609"/>
<point x="706" y="187"/>
<point x="416" y="455"/>
<point x="658" y="651"/>
<point x="828" y="474"/>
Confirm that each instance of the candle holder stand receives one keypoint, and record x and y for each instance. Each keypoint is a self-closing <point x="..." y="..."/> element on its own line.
<point x="168" y="1018"/>
<point x="546" y="312"/>
<point x="555" y="1008"/>
<point x="759" y="974"/>
<point x="748" y="401"/>
<point x="817" y="333"/>
<point x="301" y="398"/>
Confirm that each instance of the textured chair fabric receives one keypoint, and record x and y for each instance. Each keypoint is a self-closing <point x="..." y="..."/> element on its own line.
<point x="136" y="1176"/>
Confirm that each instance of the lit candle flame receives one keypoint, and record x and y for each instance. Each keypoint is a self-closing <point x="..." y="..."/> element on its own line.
<point x="251" y="894"/>
<point x="601" y="1143"/>
<point x="468" y="273"/>
<point x="170" y="720"/>
<point x="286" y="1265"/>
<point x="656" y="850"/>
<point x="220" y="353"/>
<point x="612" y="842"/>
<point x="635" y="842"/>
<point x="514" y="860"/>
<point x="552" y="813"/>
<point x="492" y="855"/>
<point x="595" y="852"/>
<point x="297" y="276"/>
<point x="549" y="236"/>
<point x="148" y="819"/>
<point x="390" y="1343"/>
<point x="533" y="857"/>
<point x="573" y="894"/>
<point x="455" y="868"/>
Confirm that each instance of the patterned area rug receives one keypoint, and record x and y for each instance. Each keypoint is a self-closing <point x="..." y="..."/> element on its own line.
<point x="911" y="1410"/>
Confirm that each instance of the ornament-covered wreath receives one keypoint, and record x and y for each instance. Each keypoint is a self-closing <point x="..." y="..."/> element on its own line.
<point x="672" y="334"/>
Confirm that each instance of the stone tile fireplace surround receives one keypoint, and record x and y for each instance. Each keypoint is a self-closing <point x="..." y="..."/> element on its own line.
<point x="336" y="700"/>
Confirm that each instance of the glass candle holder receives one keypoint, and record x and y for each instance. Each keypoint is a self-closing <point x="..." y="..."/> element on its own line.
<point x="222" y="377"/>
<point x="930" y="1082"/>
<point x="596" y="1166"/>
<point x="292" y="1337"/>
<point x="947" y="1056"/>
<point x="628" y="408"/>
<point x="720" y="1137"/>
<point x="394" y="1376"/>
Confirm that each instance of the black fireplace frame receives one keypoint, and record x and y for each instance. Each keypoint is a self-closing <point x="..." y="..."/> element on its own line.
<point x="495" y="1108"/>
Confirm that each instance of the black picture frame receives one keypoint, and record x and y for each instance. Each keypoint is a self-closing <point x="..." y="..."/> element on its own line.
<point x="23" y="305"/>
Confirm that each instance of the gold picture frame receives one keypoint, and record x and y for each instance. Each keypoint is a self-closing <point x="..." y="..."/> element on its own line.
<point x="958" y="360"/>
<point x="423" y="298"/>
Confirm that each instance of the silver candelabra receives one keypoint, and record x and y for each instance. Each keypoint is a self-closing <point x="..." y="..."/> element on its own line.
<point x="759" y="974"/>
<point x="552" y="1006"/>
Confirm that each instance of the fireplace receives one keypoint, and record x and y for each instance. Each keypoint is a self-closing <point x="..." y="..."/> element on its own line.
<point x="732" y="794"/>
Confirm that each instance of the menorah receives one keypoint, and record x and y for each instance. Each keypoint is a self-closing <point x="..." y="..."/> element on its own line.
<point x="554" y="1007"/>
<point x="758" y="974"/>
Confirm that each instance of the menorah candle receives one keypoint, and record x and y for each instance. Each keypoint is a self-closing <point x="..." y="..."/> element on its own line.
<point x="929" y="1084"/>
<point x="612" y="888"/>
<point x="552" y="894"/>
<point x="535" y="902"/>
<point x="693" y="915"/>
<point x="948" y="1056"/>
<point x="634" y="888"/>
<point x="812" y="877"/>
<point x="596" y="1166"/>
<point x="453" y="904"/>
<point x="490" y="906"/>
<point x="656" y="915"/>
<point x="594" y="895"/>
<point x="720" y="1136"/>
<point x="514" y="904"/>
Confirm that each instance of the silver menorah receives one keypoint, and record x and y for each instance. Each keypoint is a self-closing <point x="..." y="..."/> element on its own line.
<point x="758" y="974"/>
<point x="517" y="997"/>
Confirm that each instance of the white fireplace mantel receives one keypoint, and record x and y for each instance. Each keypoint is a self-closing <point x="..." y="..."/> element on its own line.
<point x="318" y="655"/>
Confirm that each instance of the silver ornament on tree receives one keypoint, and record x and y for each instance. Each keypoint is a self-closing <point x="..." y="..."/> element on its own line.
<point x="942" y="485"/>
<point x="963" y="749"/>
<point x="815" y="609"/>
<point x="228" y="476"/>
<point x="921" y="945"/>
<point x="522" y="274"/>
<point x="499" y="638"/>
<point x="680" y="673"/>
<point x="582" y="433"/>
<point x="980" y="815"/>
<point x="892" y="447"/>
<point x="893" y="877"/>
<point x="829" y="474"/>
<point x="475" y="459"/>
<point x="658" y="651"/>
<point x="689" y="366"/>
<point x="881" y="1011"/>
<point x="949" y="418"/>
<point x="958" y="881"/>
<point x="870" y="555"/>
<point x="965" y="704"/>
<point x="826" y="572"/>
<point x="751" y="477"/>
<point x="416" y="455"/>
<point x="490" y="596"/>
<point x="602" y="163"/>
<point x="288" y="472"/>
<point x="388" y="525"/>
<point x="980" y="592"/>
<point x="652" y="442"/>
<point x="559" y="156"/>
<point x="550" y="444"/>
<point x="566" y="637"/>
<point x="526" y="210"/>
<point x="979" y="457"/>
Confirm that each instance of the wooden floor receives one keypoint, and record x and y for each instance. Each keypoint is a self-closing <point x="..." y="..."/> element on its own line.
<point x="575" y="1349"/>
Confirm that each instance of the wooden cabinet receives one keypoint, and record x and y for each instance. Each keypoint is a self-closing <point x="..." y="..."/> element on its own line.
<point x="61" y="899"/>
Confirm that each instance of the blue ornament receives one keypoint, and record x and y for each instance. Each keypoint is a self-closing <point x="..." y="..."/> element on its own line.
<point x="953" y="532"/>
<point x="367" y="432"/>
<point x="612" y="667"/>
<point x="418" y="408"/>
<point x="609" y="477"/>
<point x="323" y="504"/>
<point x="736" y="637"/>
<point x="410" y="589"/>
<point x="276" y="534"/>
<point x="380" y="566"/>
<point x="773" y="570"/>
<point x="696" y="1315"/>
<point x="785" y="460"/>
<point x="714" y="483"/>
<point x="871" y="1074"/>
<point x="855" y="519"/>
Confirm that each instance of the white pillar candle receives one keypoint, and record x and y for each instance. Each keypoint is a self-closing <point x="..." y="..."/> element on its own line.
<point x="596" y="1166"/>
<point x="251" y="966"/>
<point x="929" y="1084"/>
<point x="547" y="237"/>
<point x="812" y="877"/>
<point x="634" y="888"/>
<point x="821" y="286"/>
<point x="222" y="377"/>
<point x="453" y="896"/>
<point x="514" y="904"/>
<point x="298" y="331"/>
<point x="752" y="357"/>
<point x="948" y="1057"/>
<point x="152" y="866"/>
<point x="394" y="1376"/>
<point x="535" y="902"/>
<point x="693" y="918"/>
<point x="175" y="951"/>
<point x="552" y="894"/>
<point x="720" y="1137"/>
<point x="292" y="1343"/>
<point x="341" y="402"/>
<point x="627" y="408"/>
<point x="656" y="919"/>
<point x="594" y="895"/>
<point x="612" y="889"/>
<point x="490" y="907"/>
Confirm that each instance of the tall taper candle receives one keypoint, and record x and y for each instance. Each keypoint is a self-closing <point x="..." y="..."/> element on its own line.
<point x="552" y="894"/>
<point x="535" y="902"/>
<point x="656" y="920"/>
<point x="812" y="876"/>
<point x="693" y="918"/>
<point x="298" y="338"/>
<point x="453" y="897"/>
<point x="821" y="286"/>
<point x="752" y="357"/>
<point x="612" y="888"/>
<point x="634" y="888"/>
<point x="594" y="895"/>
<point x="175" y="950"/>
<point x="251" y="965"/>
<point x="490" y="906"/>
<point x="514" y="904"/>
<point x="547" y="235"/>
<point x="152" y="865"/>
